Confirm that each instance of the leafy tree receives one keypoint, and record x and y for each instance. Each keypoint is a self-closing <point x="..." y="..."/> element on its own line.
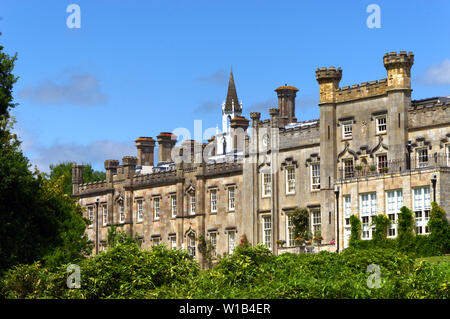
<point x="355" y="230"/>
<point x="65" y="169"/>
<point x="116" y="237"/>
<point x="7" y="80"/>
<point x="381" y="222"/>
<point x="405" y="227"/>
<point x="38" y="221"/>
<point x="439" y="230"/>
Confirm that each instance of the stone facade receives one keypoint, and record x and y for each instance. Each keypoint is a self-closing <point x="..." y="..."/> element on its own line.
<point x="372" y="151"/>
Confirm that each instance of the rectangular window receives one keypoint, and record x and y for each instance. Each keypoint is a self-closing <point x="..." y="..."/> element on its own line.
<point x="231" y="241"/>
<point x="173" y="242"/>
<point x="213" y="200"/>
<point x="121" y="212"/>
<point x="347" y="206"/>
<point x="382" y="162"/>
<point x="365" y="233"/>
<point x="347" y="130"/>
<point x="156" y="208"/>
<point x="394" y="201"/>
<point x="267" y="231"/>
<point x="422" y="206"/>
<point x="140" y="210"/>
<point x="316" y="221"/>
<point x="448" y="154"/>
<point x="381" y="125"/>
<point x="290" y="232"/>
<point x="315" y="176"/>
<point x="231" y="198"/>
<point x="173" y="201"/>
<point x="105" y="214"/>
<point x="91" y="215"/>
<point x="156" y="241"/>
<point x="191" y="245"/>
<point x="368" y="204"/>
<point x="347" y="214"/>
<point x="192" y="204"/>
<point x="290" y="180"/>
<point x="213" y="243"/>
<point x="266" y="184"/>
<point x="422" y="157"/>
<point x="348" y="168"/>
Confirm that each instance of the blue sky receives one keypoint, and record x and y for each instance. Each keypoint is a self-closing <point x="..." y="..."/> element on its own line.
<point x="137" y="68"/>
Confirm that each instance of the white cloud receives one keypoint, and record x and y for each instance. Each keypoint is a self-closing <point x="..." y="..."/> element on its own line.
<point x="94" y="153"/>
<point x="76" y="89"/>
<point x="436" y="74"/>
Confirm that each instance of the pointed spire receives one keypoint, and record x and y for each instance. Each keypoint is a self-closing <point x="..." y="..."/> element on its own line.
<point x="232" y="95"/>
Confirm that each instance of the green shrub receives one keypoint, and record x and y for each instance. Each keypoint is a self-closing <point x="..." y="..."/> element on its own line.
<point x="355" y="231"/>
<point x="382" y="223"/>
<point x="439" y="237"/>
<point x="405" y="228"/>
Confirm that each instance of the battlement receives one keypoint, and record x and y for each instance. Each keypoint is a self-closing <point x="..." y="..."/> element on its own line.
<point x="395" y="60"/>
<point x="361" y="90"/>
<point x="111" y="164"/>
<point x="330" y="74"/>
<point x="221" y="168"/>
<point x="94" y="187"/>
<point x="129" y="161"/>
<point x="157" y="178"/>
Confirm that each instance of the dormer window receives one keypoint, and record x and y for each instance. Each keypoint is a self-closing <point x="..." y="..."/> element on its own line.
<point x="381" y="124"/>
<point x="347" y="130"/>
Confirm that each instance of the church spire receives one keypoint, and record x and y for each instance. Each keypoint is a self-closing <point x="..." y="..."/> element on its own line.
<point x="232" y="99"/>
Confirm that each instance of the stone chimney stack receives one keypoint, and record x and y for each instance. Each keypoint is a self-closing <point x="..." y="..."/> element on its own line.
<point x="286" y="104"/>
<point x="77" y="178"/>
<point x="145" y="147"/>
<point x="166" y="143"/>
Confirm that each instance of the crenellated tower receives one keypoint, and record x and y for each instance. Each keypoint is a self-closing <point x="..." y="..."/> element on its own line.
<point x="398" y="66"/>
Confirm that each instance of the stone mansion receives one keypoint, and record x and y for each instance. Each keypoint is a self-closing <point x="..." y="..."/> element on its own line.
<point x="372" y="151"/>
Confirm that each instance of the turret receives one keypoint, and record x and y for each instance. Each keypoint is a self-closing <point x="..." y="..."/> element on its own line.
<point x="328" y="80"/>
<point x="111" y="170"/>
<point x="286" y="103"/>
<point x="398" y="66"/>
<point x="145" y="147"/>
<point x="129" y="166"/>
<point x="166" y="142"/>
<point x="77" y="177"/>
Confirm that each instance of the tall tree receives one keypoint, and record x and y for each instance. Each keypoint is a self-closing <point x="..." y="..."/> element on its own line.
<point x="65" y="169"/>
<point x="36" y="218"/>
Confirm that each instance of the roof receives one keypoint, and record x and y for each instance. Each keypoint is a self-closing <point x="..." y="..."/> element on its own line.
<point x="286" y="87"/>
<point x="232" y="98"/>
